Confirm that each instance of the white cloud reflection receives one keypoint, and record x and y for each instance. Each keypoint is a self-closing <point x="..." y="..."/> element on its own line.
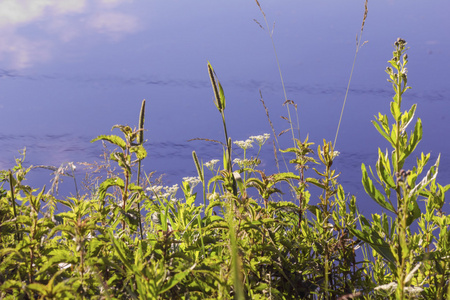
<point x="113" y="24"/>
<point x="30" y="30"/>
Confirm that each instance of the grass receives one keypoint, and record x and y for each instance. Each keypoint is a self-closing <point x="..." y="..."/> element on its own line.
<point x="222" y="235"/>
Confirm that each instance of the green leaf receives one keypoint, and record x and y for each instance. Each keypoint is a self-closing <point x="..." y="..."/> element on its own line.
<point x="38" y="287"/>
<point x="373" y="192"/>
<point x="285" y="176"/>
<point x="384" y="169"/>
<point x="121" y="252"/>
<point x="395" y="111"/>
<point x="381" y="131"/>
<point x="416" y="137"/>
<point x="371" y="237"/>
<point x="58" y="256"/>
<point x="431" y="175"/>
<point x="115" y="181"/>
<point x="174" y="280"/>
<point x="407" y="117"/>
<point x="316" y="183"/>
<point x="413" y="211"/>
<point x="140" y="151"/>
<point x="121" y="160"/>
<point x="126" y="130"/>
<point x="113" y="139"/>
<point x="131" y="217"/>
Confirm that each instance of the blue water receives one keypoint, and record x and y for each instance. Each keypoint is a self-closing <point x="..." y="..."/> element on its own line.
<point x="69" y="73"/>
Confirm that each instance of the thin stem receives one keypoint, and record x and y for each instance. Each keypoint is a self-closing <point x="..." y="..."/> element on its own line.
<point x="358" y="43"/>
<point x="139" y="204"/>
<point x="13" y="202"/>
<point x="281" y="78"/>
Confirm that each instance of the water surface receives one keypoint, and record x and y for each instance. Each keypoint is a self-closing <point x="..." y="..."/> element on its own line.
<point x="71" y="70"/>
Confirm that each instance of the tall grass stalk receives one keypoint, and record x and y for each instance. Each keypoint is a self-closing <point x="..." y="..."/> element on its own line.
<point x="140" y="141"/>
<point x="13" y="203"/>
<point x="358" y="46"/>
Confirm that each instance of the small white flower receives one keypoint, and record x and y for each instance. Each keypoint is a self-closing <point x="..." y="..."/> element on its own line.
<point x="155" y="188"/>
<point x="237" y="161"/>
<point x="244" y="144"/>
<point x="260" y="139"/>
<point x="214" y="196"/>
<point x="243" y="163"/>
<point x="171" y="190"/>
<point x="387" y="288"/>
<point x="167" y="192"/>
<point x="211" y="164"/>
<point x="193" y="181"/>
<point x="413" y="291"/>
<point x="334" y="155"/>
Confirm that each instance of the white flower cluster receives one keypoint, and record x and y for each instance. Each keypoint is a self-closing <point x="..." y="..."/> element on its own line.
<point x="211" y="164"/>
<point x="193" y="181"/>
<point x="248" y="143"/>
<point x="334" y="154"/>
<point x="244" y="144"/>
<point x="242" y="163"/>
<point x="389" y="289"/>
<point x="260" y="139"/>
<point x="167" y="192"/>
<point x="213" y="196"/>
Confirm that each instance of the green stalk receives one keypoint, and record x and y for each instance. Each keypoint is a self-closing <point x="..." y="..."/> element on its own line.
<point x="13" y="202"/>
<point x="140" y="142"/>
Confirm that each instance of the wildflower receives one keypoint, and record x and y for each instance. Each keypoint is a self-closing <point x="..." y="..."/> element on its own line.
<point x="244" y="144"/>
<point x="170" y="192"/>
<point x="193" y="181"/>
<point x="242" y="163"/>
<point x="211" y="164"/>
<point x="214" y="196"/>
<point x="166" y="192"/>
<point x="333" y="155"/>
<point x="386" y="289"/>
<point x="237" y="161"/>
<point x="155" y="188"/>
<point x="413" y="291"/>
<point x="260" y="139"/>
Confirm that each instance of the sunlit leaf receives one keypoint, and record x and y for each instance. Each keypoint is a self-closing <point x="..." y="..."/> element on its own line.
<point x="115" y="181"/>
<point x="140" y="151"/>
<point x="431" y="175"/>
<point x="373" y="192"/>
<point x="113" y="139"/>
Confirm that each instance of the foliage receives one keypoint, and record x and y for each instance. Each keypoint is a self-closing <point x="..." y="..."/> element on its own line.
<point x="134" y="239"/>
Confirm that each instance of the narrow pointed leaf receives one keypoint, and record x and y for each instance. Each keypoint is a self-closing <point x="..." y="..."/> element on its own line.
<point x="373" y="192"/>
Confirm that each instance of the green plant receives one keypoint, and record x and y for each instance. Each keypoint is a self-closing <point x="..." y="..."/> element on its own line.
<point x="130" y="192"/>
<point x="403" y="252"/>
